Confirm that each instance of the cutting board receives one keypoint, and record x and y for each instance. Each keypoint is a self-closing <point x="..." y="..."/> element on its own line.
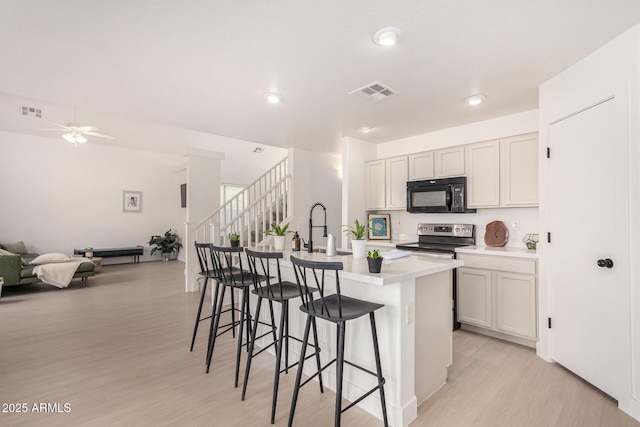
<point x="496" y="234"/>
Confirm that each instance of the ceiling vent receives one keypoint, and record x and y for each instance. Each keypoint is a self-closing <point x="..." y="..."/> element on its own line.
<point x="31" y="111"/>
<point x="375" y="92"/>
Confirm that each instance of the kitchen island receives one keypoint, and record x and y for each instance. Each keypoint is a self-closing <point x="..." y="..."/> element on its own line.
<point x="414" y="329"/>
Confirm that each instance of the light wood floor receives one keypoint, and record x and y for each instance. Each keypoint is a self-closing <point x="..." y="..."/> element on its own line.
<point x="117" y="353"/>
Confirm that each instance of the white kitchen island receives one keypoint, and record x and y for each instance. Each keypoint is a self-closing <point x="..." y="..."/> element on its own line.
<point x="414" y="330"/>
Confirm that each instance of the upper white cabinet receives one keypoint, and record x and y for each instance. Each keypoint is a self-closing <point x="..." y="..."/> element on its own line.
<point x="386" y="183"/>
<point x="450" y="162"/>
<point x="375" y="180"/>
<point x="422" y="166"/>
<point x="444" y="163"/>
<point x="519" y="171"/>
<point x="503" y="173"/>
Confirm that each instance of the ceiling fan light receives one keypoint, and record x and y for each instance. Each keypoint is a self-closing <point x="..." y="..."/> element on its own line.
<point x="69" y="137"/>
<point x="81" y="139"/>
<point x="365" y="129"/>
<point x="386" y="36"/>
<point x="74" y="138"/>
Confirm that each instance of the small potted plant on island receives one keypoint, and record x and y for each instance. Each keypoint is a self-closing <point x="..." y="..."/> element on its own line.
<point x="375" y="261"/>
<point x="278" y="232"/>
<point x="166" y="244"/>
<point x="234" y="238"/>
<point x="358" y="243"/>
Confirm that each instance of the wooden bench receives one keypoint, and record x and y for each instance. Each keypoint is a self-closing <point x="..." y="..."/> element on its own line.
<point x="132" y="251"/>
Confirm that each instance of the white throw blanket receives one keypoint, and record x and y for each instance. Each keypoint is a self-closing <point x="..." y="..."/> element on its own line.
<point x="57" y="274"/>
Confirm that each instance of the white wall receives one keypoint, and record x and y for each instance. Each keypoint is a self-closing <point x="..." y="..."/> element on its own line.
<point x="514" y="124"/>
<point x="404" y="224"/>
<point x="316" y="178"/>
<point x="56" y="197"/>
<point x="354" y="154"/>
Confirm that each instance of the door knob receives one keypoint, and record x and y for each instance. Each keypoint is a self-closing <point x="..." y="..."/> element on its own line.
<point x="605" y="263"/>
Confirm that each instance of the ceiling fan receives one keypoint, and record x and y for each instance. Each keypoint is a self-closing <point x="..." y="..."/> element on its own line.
<point x="75" y="132"/>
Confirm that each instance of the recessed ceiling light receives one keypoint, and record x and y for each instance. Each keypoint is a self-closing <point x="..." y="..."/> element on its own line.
<point x="475" y="99"/>
<point x="273" y="97"/>
<point x="365" y="129"/>
<point x="387" y="36"/>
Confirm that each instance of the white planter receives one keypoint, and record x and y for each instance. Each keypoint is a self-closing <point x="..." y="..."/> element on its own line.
<point x="359" y="248"/>
<point x="278" y="242"/>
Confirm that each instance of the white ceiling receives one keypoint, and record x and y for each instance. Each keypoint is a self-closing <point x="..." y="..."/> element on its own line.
<point x="205" y="64"/>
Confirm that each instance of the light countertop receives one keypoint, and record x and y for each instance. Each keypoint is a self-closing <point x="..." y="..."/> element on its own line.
<point x="394" y="271"/>
<point x="505" y="251"/>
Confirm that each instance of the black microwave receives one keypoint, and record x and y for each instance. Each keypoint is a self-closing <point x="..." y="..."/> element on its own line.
<point x="446" y="195"/>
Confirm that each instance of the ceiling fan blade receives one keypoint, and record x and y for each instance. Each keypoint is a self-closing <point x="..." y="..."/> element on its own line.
<point x="60" y="130"/>
<point x="62" y="127"/>
<point x="87" y="128"/>
<point x="99" y="135"/>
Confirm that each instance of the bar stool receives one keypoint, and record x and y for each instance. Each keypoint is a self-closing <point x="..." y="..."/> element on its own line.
<point x="282" y="292"/>
<point x="229" y="276"/>
<point x="203" y="250"/>
<point x="338" y="309"/>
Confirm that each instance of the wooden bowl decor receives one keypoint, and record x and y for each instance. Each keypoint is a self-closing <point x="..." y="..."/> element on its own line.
<point x="496" y="234"/>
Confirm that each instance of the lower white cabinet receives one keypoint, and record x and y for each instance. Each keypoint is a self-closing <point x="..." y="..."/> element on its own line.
<point x="497" y="294"/>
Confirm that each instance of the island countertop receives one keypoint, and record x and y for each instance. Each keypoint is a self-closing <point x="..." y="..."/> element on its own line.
<point x="398" y="270"/>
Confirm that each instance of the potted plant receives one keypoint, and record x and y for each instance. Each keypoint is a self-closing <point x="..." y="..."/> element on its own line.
<point x="358" y="244"/>
<point x="234" y="238"/>
<point x="166" y="244"/>
<point x="278" y="232"/>
<point x="374" y="260"/>
<point x="88" y="252"/>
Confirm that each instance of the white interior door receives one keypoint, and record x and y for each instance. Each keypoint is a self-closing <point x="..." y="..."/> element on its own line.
<point x="588" y="222"/>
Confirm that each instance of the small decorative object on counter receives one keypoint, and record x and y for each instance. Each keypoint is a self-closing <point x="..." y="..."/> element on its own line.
<point x="295" y="243"/>
<point x="496" y="234"/>
<point x="531" y="240"/>
<point x="375" y="261"/>
<point x="234" y="238"/>
<point x="278" y="232"/>
<point x="331" y="245"/>
<point x="358" y="244"/>
<point x="88" y="252"/>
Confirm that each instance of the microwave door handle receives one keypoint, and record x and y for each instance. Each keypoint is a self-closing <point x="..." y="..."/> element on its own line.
<point x="449" y="191"/>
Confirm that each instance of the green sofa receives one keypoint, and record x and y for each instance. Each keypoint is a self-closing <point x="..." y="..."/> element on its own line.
<point x="16" y="270"/>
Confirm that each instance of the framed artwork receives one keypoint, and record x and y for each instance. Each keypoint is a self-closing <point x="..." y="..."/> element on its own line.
<point x="379" y="227"/>
<point x="131" y="201"/>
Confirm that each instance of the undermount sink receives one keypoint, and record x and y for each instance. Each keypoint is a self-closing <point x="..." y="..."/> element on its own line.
<point x="338" y="252"/>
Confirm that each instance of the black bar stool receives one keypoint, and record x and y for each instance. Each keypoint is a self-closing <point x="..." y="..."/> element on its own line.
<point x="260" y="264"/>
<point x="338" y="309"/>
<point x="229" y="276"/>
<point x="203" y="250"/>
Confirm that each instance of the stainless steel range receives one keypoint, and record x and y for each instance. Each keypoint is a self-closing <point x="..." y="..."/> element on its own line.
<point x="441" y="240"/>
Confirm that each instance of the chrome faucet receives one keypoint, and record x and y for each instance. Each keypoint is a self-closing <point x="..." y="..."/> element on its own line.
<point x="311" y="226"/>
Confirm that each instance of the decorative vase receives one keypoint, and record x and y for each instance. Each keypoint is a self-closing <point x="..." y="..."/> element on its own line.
<point x="166" y="256"/>
<point x="278" y="242"/>
<point x="235" y="243"/>
<point x="359" y="248"/>
<point x="375" y="264"/>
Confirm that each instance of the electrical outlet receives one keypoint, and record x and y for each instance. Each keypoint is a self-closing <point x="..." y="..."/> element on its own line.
<point x="411" y="314"/>
<point x="516" y="224"/>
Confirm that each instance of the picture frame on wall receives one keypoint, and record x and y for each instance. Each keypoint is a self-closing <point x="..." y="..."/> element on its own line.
<point x="131" y="201"/>
<point x="379" y="227"/>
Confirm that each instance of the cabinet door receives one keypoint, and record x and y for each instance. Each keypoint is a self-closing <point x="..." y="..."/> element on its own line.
<point x="375" y="183"/>
<point x="450" y="162"/>
<point x="474" y="297"/>
<point x="483" y="178"/>
<point x="519" y="177"/>
<point x="516" y="304"/>
<point x="396" y="169"/>
<point x="422" y="166"/>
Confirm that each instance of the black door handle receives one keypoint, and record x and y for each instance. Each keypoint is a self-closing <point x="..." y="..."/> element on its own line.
<point x="605" y="263"/>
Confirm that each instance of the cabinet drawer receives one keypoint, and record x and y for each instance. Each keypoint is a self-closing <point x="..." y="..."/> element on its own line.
<point x="500" y="263"/>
